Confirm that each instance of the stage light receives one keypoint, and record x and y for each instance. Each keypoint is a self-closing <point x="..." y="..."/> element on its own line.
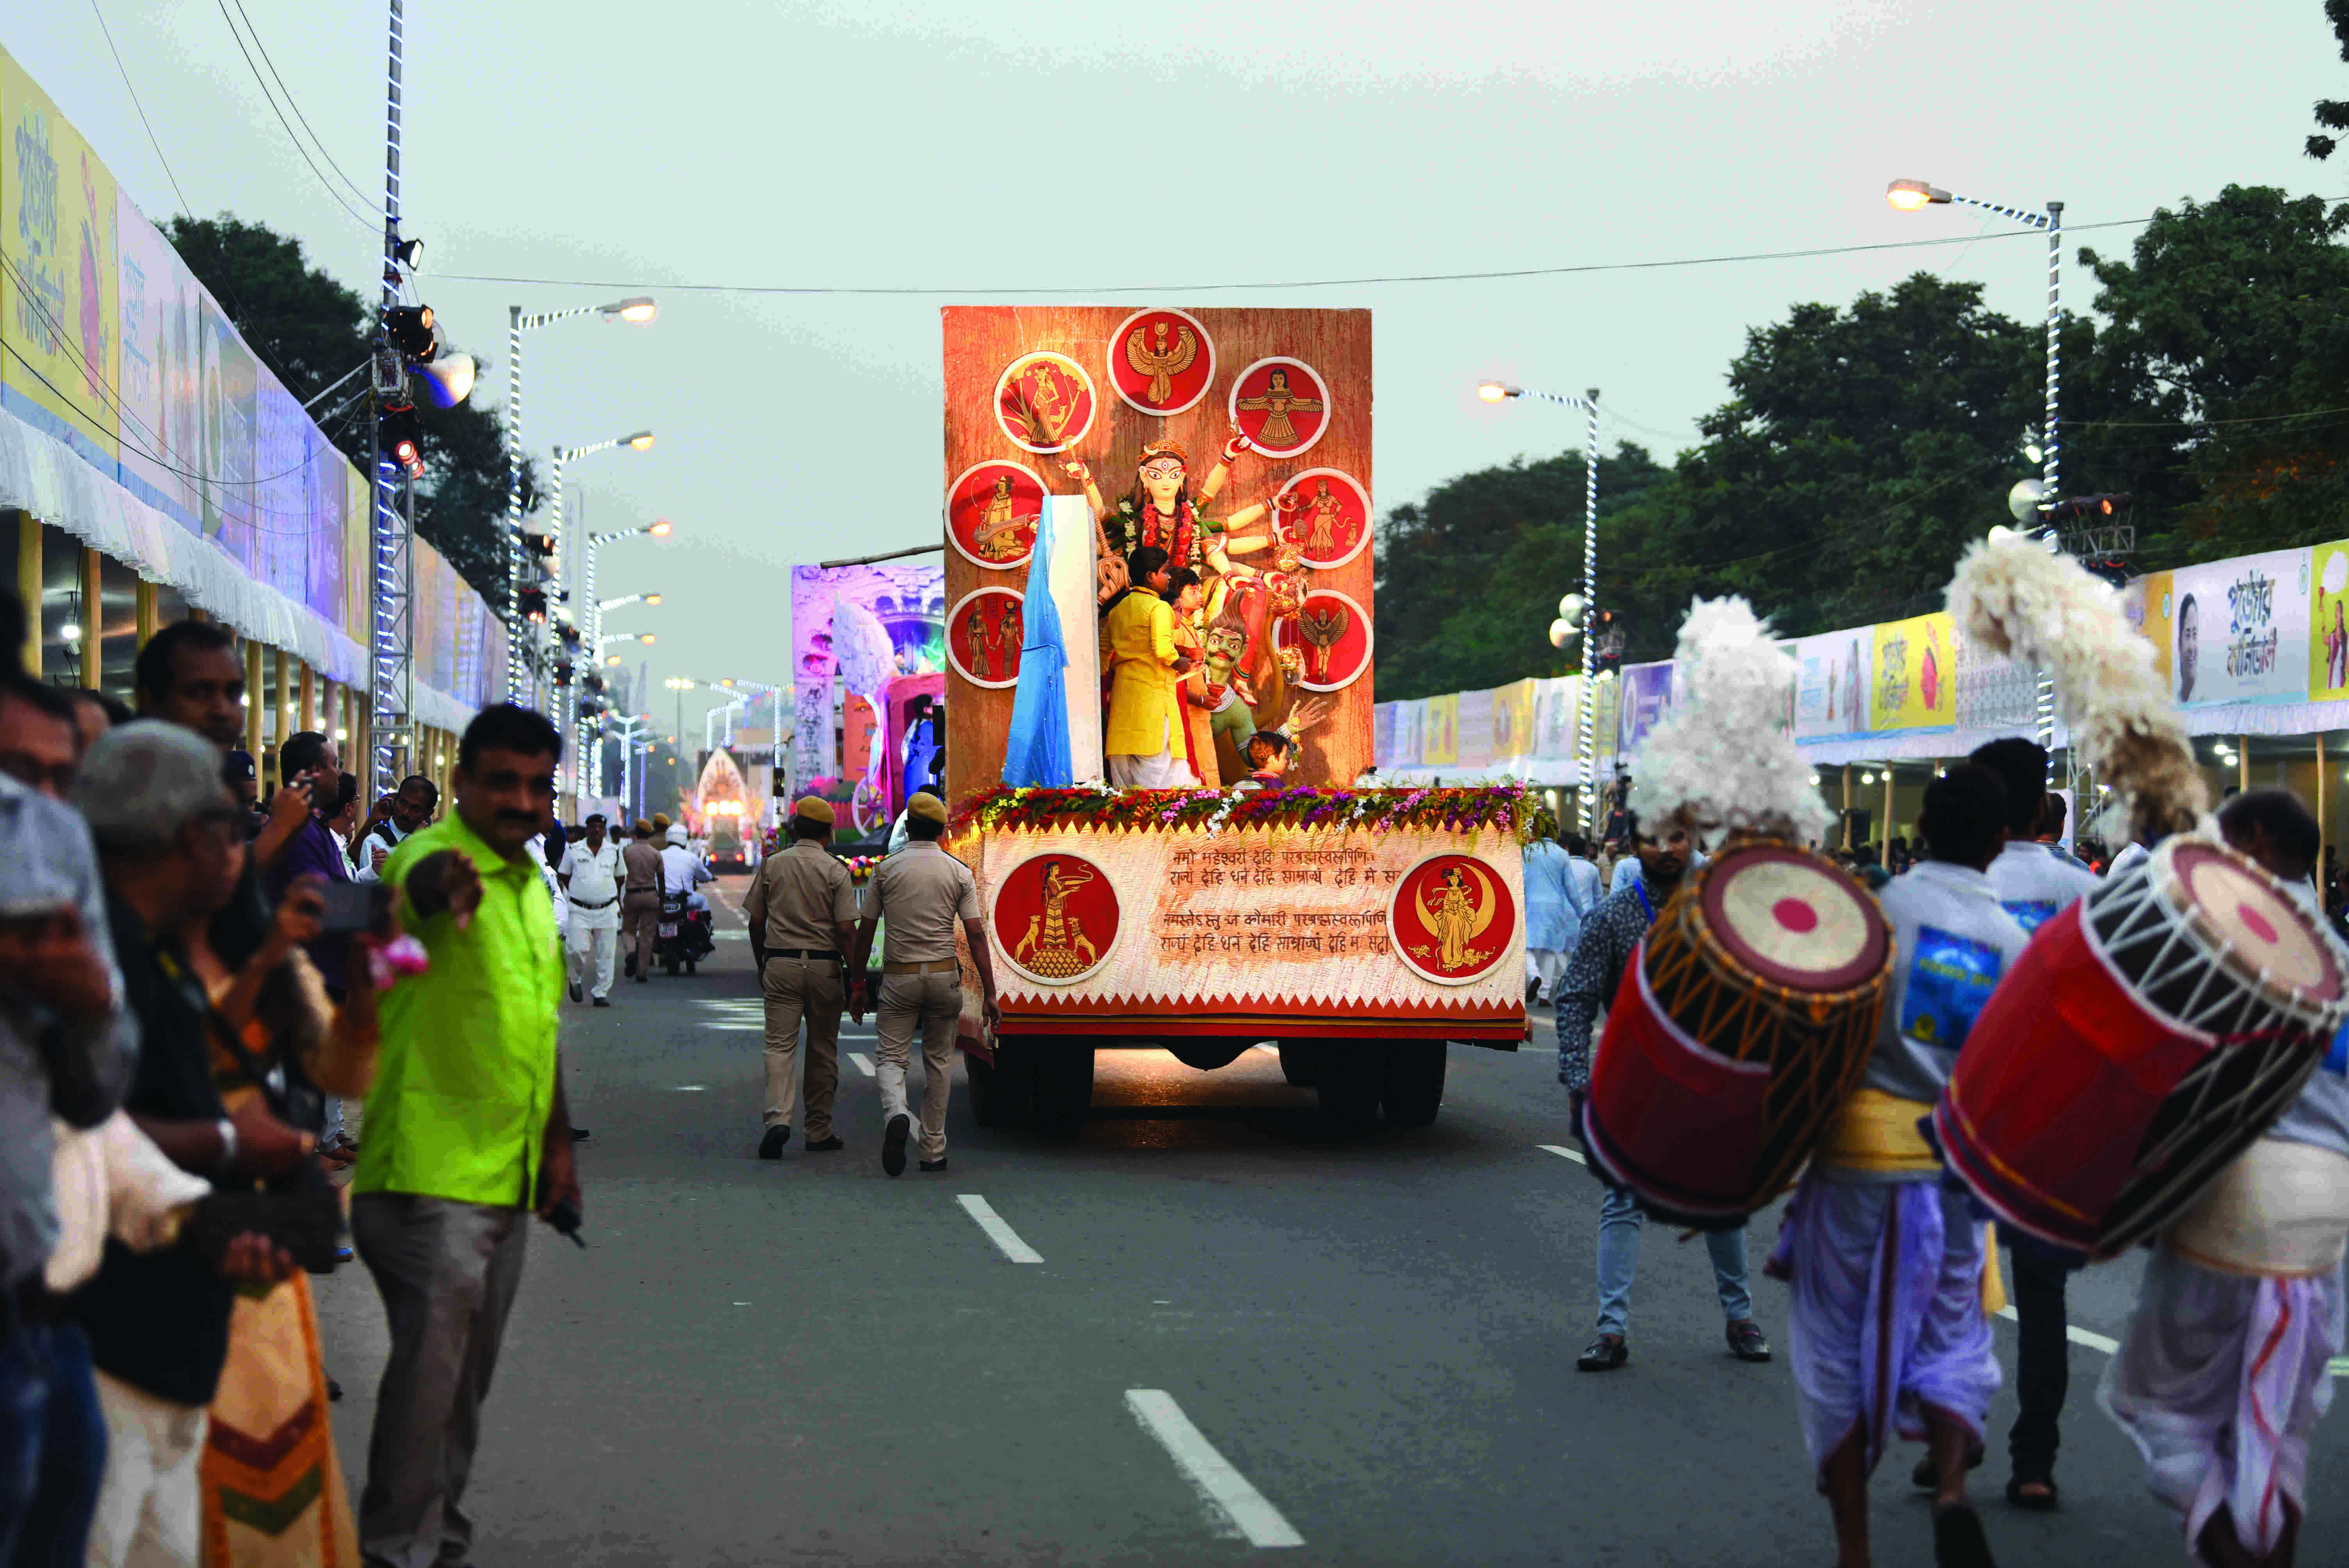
<point x="448" y="380"/>
<point x="410" y="253"/>
<point x="402" y="437"/>
<point x="410" y="328"/>
<point x="533" y="606"/>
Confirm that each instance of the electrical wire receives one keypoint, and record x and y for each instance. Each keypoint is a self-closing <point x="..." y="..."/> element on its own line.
<point x="366" y="201"/>
<point x="142" y="108"/>
<point x="364" y="221"/>
<point x="1297" y="284"/>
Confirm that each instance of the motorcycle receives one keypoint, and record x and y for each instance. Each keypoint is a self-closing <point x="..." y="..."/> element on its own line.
<point x="684" y="937"/>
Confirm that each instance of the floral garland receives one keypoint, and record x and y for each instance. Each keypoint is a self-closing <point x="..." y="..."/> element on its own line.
<point x="860" y="867"/>
<point x="1181" y="549"/>
<point x="1503" y="807"/>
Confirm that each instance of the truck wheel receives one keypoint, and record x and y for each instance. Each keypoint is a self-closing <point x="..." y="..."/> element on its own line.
<point x="1205" y="1056"/>
<point x="1349" y="1079"/>
<point x="999" y="1089"/>
<point x="1414" y="1081"/>
<point x="1062" y="1089"/>
<point x="1299" y="1061"/>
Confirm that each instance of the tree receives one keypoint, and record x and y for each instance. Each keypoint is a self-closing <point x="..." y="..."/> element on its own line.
<point x="310" y="330"/>
<point x="2226" y="329"/>
<point x="2333" y="114"/>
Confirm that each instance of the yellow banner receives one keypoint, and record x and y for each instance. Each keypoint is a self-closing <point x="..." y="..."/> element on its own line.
<point x="1513" y="720"/>
<point x="1439" y="742"/>
<point x="59" y="282"/>
<point x="1916" y="685"/>
<point x="2328" y="624"/>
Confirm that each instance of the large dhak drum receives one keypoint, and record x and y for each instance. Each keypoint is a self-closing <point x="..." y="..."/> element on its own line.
<point x="2146" y="1036"/>
<point x="1742" y="1022"/>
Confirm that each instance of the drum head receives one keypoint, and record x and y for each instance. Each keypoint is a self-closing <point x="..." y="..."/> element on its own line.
<point x="2257" y="929"/>
<point x="1793" y="920"/>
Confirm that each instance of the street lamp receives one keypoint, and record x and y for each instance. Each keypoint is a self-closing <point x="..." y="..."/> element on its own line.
<point x="1586" y="706"/>
<point x="603" y="605"/>
<point x="639" y="441"/>
<point x="1915" y="195"/>
<point x="595" y="607"/>
<point x="645" y="638"/>
<point x="638" y="310"/>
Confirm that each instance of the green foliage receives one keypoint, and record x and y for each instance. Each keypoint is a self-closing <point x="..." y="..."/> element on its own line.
<point x="309" y="330"/>
<point x="2333" y="114"/>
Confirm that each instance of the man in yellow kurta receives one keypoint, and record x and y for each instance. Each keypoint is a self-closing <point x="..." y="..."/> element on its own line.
<point x="1144" y="744"/>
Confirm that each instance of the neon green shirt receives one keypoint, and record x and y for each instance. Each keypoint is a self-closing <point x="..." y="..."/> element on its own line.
<point x="466" y="1074"/>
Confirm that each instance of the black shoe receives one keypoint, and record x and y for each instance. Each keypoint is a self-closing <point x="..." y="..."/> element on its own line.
<point x="892" y="1145"/>
<point x="576" y="993"/>
<point x="770" y="1146"/>
<point x="629" y="967"/>
<point x="938" y="1164"/>
<point x="1605" y="1353"/>
<point x="1745" y="1341"/>
<point x="646" y="979"/>
<point x="602" y="1001"/>
<point x="333" y="1390"/>
<point x="823" y="1145"/>
<point x="578" y="1135"/>
<point x="1958" y="1539"/>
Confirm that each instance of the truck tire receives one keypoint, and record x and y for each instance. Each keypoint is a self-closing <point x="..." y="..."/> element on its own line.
<point x="1299" y="1061"/>
<point x="999" y="1089"/>
<point x="1062" y="1087"/>
<point x="1205" y="1056"/>
<point x="1349" y="1077"/>
<point x="1413" y="1089"/>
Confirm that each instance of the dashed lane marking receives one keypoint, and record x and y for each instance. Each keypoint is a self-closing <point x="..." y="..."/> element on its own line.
<point x="863" y="1063"/>
<point x="1227" y="1491"/>
<point x="1001" y="1234"/>
<point x="1563" y="1152"/>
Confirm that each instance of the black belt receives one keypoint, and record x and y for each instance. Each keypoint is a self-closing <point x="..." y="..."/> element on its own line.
<point x="810" y="953"/>
<point x="608" y="903"/>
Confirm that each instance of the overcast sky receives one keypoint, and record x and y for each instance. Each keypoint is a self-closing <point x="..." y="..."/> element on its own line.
<point x="1085" y="148"/>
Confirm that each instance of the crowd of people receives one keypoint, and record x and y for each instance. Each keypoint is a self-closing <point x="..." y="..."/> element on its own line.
<point x="191" y="984"/>
<point x="2226" y="1366"/>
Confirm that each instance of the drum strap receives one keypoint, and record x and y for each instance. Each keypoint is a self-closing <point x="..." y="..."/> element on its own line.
<point x="1641" y="889"/>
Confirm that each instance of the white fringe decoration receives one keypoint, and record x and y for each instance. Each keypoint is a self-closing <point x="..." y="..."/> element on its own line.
<point x="1724" y="757"/>
<point x="2014" y="597"/>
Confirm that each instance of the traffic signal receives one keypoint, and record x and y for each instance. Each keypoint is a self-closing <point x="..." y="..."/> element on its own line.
<point x="539" y="544"/>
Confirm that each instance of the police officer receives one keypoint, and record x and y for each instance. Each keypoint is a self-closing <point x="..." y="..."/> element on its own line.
<point x="802" y="909"/>
<point x="922" y="891"/>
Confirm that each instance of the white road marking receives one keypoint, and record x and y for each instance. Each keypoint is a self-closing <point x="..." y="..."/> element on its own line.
<point x="2341" y="1366"/>
<point x="1224" y="1488"/>
<point x="2076" y="1335"/>
<point x="736" y="1028"/>
<point x="688" y="1089"/>
<point x="863" y="1063"/>
<point x="1001" y="1234"/>
<point x="1563" y="1152"/>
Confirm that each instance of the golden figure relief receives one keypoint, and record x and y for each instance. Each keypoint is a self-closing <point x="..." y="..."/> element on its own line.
<point x="1044" y="405"/>
<point x="1054" y="945"/>
<point x="1161" y="363"/>
<point x="1277" y="402"/>
<point x="974" y="636"/>
<point x="1321" y="539"/>
<point x="996" y="534"/>
<point x="1322" y="625"/>
<point x="1457" y="918"/>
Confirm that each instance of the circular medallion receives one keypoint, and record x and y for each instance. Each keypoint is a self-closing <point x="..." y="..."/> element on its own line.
<point x="992" y="510"/>
<point x="2262" y="930"/>
<point x="1451" y="919"/>
<point x="984" y="631"/>
<point x="1334" y="636"/>
<point x="1281" y="404"/>
<point x="1332" y="524"/>
<point x="1160" y="361"/>
<point x="1044" y="402"/>
<point x="1792" y="920"/>
<point x="1055" y="918"/>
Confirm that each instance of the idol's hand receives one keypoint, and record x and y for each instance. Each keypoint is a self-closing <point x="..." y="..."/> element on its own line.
<point x="1077" y="469"/>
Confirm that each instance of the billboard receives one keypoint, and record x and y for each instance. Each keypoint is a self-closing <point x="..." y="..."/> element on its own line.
<point x="853" y="628"/>
<point x="2237" y="630"/>
<point x="1914" y="686"/>
<point x="57" y="275"/>
<point x="1831" y="684"/>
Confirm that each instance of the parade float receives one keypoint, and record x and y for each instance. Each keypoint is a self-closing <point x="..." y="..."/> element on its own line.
<point x="1359" y="930"/>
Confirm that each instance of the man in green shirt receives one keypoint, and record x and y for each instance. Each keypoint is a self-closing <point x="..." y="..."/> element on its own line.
<point x="466" y="1132"/>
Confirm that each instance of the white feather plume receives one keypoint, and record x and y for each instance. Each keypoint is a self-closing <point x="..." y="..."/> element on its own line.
<point x="2014" y="597"/>
<point x="1723" y="756"/>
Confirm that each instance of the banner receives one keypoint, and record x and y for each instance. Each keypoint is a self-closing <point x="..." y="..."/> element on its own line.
<point x="1475" y="748"/>
<point x="1439" y="743"/>
<point x="1994" y="692"/>
<point x="1557" y="721"/>
<point x="1913" y="688"/>
<point x="1410" y="719"/>
<point x="1647" y="698"/>
<point x="1832" y="684"/>
<point x="2328" y="642"/>
<point x="1513" y="721"/>
<point x="57" y="275"/>
<point x="862" y="625"/>
<point x="160" y="372"/>
<point x="2238" y="630"/>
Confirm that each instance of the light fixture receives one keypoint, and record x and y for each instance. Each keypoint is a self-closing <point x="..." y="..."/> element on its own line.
<point x="1868" y="777"/>
<point x="1497" y="391"/>
<point x="642" y="440"/>
<point x="1912" y="195"/>
<point x="342" y="734"/>
<point x="70" y="630"/>
<point x="652" y="598"/>
<point x="410" y="253"/>
<point x="611" y="659"/>
<point x="659" y="530"/>
<point x="410" y="328"/>
<point x="637" y="310"/>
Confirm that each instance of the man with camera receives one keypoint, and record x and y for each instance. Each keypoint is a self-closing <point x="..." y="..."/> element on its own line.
<point x="397" y="817"/>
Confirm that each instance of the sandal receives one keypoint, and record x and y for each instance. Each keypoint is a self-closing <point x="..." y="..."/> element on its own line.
<point x="1958" y="1539"/>
<point x="2036" y="1501"/>
<point x="1927" y="1478"/>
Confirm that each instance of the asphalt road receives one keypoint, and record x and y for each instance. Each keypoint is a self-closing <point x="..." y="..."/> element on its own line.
<point x="1239" y="1334"/>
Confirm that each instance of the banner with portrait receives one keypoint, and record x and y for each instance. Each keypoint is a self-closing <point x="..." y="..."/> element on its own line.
<point x="1475" y="716"/>
<point x="2328" y="640"/>
<point x="1832" y="682"/>
<point x="1647" y="695"/>
<point x="2238" y="630"/>
<point x="1513" y="721"/>
<point x="1439" y="742"/>
<point x="1914" y="686"/>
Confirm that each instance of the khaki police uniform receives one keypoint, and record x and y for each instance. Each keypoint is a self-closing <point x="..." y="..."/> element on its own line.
<point x="794" y="904"/>
<point x="921" y="894"/>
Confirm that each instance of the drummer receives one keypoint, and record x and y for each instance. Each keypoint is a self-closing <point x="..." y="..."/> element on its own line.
<point x="1610" y="935"/>
<point x="2213" y="1338"/>
<point x="1889" y="1327"/>
<point x="2035" y="882"/>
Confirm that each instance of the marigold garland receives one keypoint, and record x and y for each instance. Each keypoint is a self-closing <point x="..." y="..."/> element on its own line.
<point x="1505" y="806"/>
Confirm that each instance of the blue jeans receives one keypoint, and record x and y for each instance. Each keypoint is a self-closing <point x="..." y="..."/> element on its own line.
<point x="1618" y="1260"/>
<point x="52" y="1446"/>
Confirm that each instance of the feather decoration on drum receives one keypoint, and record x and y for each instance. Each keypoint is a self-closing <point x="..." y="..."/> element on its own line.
<point x="1745" y="1017"/>
<point x="2014" y="598"/>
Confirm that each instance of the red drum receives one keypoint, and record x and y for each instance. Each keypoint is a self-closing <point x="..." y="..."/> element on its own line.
<point x="2146" y="1036"/>
<point x="1743" y="1021"/>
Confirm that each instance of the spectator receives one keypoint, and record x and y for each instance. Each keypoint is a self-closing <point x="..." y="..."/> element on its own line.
<point x="466" y="1130"/>
<point x="170" y="839"/>
<point x="40" y="739"/>
<point x="395" y="817"/>
<point x="68" y="1046"/>
<point x="344" y="821"/>
<point x="96" y="712"/>
<point x="187" y="674"/>
<point x="310" y="767"/>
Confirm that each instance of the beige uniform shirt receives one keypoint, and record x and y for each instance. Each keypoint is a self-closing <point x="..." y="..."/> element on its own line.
<point x="796" y="897"/>
<point x="922" y="891"/>
<point x="642" y="861"/>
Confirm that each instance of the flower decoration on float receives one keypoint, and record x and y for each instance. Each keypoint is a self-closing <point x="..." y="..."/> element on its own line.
<point x="1505" y="808"/>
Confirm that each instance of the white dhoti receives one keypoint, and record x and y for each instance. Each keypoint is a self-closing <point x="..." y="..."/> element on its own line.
<point x="2227" y="1363"/>
<point x="1886" y="1323"/>
<point x="1163" y="771"/>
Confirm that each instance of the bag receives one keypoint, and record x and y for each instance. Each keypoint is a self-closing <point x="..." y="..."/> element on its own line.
<point x="300" y="1211"/>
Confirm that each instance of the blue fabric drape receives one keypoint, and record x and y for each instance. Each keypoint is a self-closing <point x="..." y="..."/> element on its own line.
<point x="1036" y="753"/>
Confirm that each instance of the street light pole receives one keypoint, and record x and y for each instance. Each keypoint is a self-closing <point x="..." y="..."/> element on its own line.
<point x="1914" y="195"/>
<point x="1586" y="703"/>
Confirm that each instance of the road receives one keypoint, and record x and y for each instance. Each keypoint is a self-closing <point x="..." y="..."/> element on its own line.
<point x="1364" y="1349"/>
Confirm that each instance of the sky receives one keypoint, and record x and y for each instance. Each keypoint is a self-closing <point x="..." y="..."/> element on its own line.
<point x="1149" y="149"/>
